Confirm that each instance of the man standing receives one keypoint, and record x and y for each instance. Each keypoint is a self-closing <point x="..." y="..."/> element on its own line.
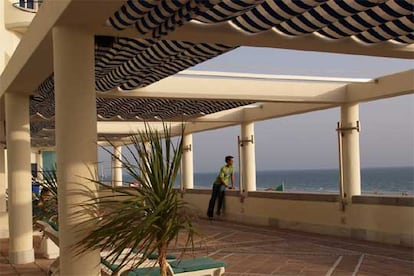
<point x="220" y="185"/>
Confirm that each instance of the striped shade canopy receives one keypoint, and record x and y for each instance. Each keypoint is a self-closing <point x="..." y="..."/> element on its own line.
<point x="126" y="64"/>
<point x="368" y="21"/>
<point x="138" y="109"/>
<point x="134" y="63"/>
<point x="131" y="109"/>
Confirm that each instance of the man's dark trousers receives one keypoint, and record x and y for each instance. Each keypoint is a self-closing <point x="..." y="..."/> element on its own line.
<point x="218" y="192"/>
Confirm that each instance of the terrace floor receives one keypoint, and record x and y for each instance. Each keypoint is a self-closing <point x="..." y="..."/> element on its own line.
<point x="258" y="250"/>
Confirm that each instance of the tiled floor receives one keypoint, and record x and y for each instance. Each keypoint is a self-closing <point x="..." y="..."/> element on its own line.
<point x="39" y="267"/>
<point x="252" y="250"/>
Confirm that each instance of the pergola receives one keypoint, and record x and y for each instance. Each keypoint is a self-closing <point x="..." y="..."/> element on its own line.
<point x="88" y="70"/>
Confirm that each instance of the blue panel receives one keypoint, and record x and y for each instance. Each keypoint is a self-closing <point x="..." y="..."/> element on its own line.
<point x="49" y="160"/>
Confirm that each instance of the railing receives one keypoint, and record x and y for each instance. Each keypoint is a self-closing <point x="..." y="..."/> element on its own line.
<point x="28" y="5"/>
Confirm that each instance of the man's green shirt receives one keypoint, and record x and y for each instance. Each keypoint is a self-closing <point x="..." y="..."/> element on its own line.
<point x="225" y="174"/>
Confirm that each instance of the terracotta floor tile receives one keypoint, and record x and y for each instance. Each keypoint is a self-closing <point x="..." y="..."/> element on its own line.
<point x="312" y="273"/>
<point x="7" y="271"/>
<point x="257" y="251"/>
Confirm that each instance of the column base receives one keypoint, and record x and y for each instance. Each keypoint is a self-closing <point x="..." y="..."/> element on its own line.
<point x="22" y="257"/>
<point x="4" y="225"/>
<point x="4" y="233"/>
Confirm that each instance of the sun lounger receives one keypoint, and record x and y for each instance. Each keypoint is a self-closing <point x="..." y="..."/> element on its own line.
<point x="50" y="230"/>
<point x="189" y="267"/>
<point x="53" y="234"/>
<point x="110" y="268"/>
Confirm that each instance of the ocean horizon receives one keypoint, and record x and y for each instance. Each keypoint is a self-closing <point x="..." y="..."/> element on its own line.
<point x="383" y="180"/>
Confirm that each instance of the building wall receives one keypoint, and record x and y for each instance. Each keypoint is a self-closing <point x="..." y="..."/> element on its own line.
<point x="8" y="42"/>
<point x="9" y="36"/>
<point x="16" y="19"/>
<point x="3" y="39"/>
<point x="318" y="213"/>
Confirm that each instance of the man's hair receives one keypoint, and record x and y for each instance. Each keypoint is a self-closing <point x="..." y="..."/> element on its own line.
<point x="228" y="158"/>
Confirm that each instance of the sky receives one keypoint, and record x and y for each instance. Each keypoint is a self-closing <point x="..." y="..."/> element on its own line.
<point x="309" y="141"/>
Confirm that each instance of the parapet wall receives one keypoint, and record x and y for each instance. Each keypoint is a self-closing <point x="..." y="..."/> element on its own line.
<point x="383" y="219"/>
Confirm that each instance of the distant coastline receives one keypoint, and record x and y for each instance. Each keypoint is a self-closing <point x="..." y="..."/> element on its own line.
<point x="381" y="180"/>
<point x="374" y="180"/>
<point x="329" y="169"/>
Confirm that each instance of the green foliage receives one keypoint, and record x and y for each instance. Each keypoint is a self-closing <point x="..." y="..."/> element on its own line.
<point x="45" y="206"/>
<point x="146" y="218"/>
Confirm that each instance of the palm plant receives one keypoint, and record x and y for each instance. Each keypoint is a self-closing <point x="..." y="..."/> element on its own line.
<point x="147" y="217"/>
<point x="45" y="205"/>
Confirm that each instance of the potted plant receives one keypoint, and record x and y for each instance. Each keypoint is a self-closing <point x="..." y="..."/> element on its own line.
<point x="45" y="204"/>
<point x="146" y="217"/>
<point x="45" y="208"/>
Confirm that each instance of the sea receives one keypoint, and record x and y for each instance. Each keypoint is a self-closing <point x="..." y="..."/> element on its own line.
<point x="384" y="181"/>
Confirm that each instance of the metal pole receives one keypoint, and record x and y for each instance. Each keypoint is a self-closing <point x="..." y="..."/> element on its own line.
<point x="341" y="175"/>
<point x="240" y="167"/>
<point x="181" y="176"/>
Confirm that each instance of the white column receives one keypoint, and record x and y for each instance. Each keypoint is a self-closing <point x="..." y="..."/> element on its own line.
<point x="19" y="179"/>
<point x="248" y="156"/>
<point x="187" y="173"/>
<point x="147" y="147"/>
<point x="39" y="162"/>
<point x="117" y="166"/>
<point x="76" y="139"/>
<point x="350" y="151"/>
<point x="4" y="224"/>
<point x="2" y="179"/>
